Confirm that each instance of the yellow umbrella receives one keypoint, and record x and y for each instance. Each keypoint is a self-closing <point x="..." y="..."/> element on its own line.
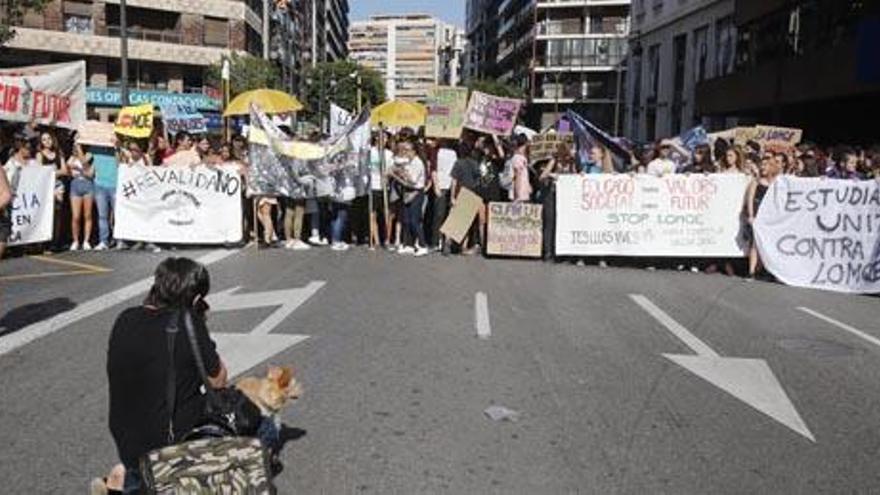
<point x="399" y="113"/>
<point x="269" y="101"/>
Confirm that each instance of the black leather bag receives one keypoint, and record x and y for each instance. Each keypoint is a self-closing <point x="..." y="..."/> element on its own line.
<point x="227" y="408"/>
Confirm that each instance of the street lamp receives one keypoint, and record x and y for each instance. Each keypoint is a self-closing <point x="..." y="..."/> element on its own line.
<point x="356" y="75"/>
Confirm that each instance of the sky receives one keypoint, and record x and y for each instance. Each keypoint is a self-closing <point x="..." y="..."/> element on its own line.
<point x="448" y="10"/>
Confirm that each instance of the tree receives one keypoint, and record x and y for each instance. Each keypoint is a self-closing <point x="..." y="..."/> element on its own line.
<point x="334" y="82"/>
<point x="246" y="72"/>
<point x="11" y="14"/>
<point x="496" y="88"/>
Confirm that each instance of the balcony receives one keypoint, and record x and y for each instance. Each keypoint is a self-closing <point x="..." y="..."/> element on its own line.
<point x="577" y="53"/>
<point x="144" y="34"/>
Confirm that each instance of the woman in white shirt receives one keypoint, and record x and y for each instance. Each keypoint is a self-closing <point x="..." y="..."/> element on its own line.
<point x="411" y="176"/>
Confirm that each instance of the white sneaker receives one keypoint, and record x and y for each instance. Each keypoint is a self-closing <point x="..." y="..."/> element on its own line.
<point x="299" y="245"/>
<point x="695" y="269"/>
<point x="340" y="246"/>
<point x="101" y="247"/>
<point x="87" y="246"/>
<point x="407" y="250"/>
<point x="288" y="244"/>
<point x="419" y="252"/>
<point x="603" y="264"/>
<point x="74" y="247"/>
<point x="137" y="246"/>
<point x="317" y="241"/>
<point x="154" y="248"/>
<point x="120" y="246"/>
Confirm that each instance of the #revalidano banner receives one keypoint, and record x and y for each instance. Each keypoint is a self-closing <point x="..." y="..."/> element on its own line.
<point x="184" y="205"/>
<point x="822" y="233"/>
<point x="639" y="215"/>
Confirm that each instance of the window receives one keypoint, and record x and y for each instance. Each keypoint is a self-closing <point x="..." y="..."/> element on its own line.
<point x="701" y="53"/>
<point x="216" y="32"/>
<point x="725" y="42"/>
<point x="653" y="71"/>
<point x="679" y="53"/>
<point x="78" y="17"/>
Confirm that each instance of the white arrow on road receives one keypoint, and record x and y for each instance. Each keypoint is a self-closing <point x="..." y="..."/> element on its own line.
<point x="749" y="380"/>
<point x="243" y="351"/>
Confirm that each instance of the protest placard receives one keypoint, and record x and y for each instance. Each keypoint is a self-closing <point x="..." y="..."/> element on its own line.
<point x="773" y="138"/>
<point x="135" y="122"/>
<point x="179" y="118"/>
<point x="45" y="94"/>
<point x="515" y="229"/>
<point x="94" y="133"/>
<point x="491" y="114"/>
<point x="823" y="234"/>
<point x="339" y="119"/>
<point x="677" y="215"/>
<point x="33" y="205"/>
<point x="198" y="205"/>
<point x="462" y="215"/>
<point x="543" y="146"/>
<point x="446" y="108"/>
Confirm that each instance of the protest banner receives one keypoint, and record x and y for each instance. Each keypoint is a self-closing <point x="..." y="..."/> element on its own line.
<point x="94" y="133"/>
<point x="339" y="119"/>
<point x="491" y="114"/>
<point x="462" y="215"/>
<point x="543" y="146"/>
<point x="46" y="94"/>
<point x="515" y="229"/>
<point x="135" y="122"/>
<point x="198" y="205"/>
<point x="446" y="108"/>
<point x="179" y="118"/>
<point x="822" y="234"/>
<point x="587" y="135"/>
<point x="33" y="204"/>
<point x="677" y="215"/>
<point x="772" y="138"/>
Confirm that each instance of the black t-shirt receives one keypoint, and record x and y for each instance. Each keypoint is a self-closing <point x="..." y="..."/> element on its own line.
<point x="137" y="367"/>
<point x="466" y="172"/>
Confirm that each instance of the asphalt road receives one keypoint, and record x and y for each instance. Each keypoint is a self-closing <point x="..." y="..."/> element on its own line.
<point x="396" y="380"/>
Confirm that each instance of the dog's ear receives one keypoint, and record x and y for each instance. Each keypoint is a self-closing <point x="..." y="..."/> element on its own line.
<point x="274" y="373"/>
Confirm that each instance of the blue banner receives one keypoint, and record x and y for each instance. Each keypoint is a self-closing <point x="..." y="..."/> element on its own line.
<point x="113" y="98"/>
<point x="180" y="118"/>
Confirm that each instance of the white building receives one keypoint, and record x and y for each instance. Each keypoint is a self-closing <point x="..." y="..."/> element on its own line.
<point x="413" y="52"/>
<point x="674" y="46"/>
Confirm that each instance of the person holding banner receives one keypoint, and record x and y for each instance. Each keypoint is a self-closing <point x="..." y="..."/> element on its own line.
<point x="82" y="193"/>
<point x="50" y="156"/>
<point x="521" y="188"/>
<point x="159" y="150"/>
<point x="5" y="217"/>
<point x="770" y="170"/>
<point x="662" y="165"/>
<point x="442" y="182"/>
<point x="105" y="163"/>
<point x="562" y="163"/>
<point x="410" y="174"/>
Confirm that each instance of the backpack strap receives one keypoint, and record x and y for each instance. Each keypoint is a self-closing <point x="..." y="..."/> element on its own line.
<point x="171" y="382"/>
<point x="197" y="355"/>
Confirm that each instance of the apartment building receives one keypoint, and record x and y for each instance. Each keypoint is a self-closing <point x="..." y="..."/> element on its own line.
<point x="675" y="46"/>
<point x="563" y="54"/>
<point x="413" y="52"/>
<point x="812" y="64"/>
<point x="171" y="45"/>
<point x="328" y="30"/>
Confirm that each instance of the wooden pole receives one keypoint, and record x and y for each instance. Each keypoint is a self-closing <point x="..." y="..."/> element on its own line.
<point x="256" y="223"/>
<point x="384" y="185"/>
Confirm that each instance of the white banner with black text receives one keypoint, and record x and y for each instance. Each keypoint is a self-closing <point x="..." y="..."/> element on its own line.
<point x="183" y="205"/>
<point x="33" y="204"/>
<point x="641" y="215"/>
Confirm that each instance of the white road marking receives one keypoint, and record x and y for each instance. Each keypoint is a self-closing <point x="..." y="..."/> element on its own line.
<point x="43" y="328"/>
<point x="481" y="315"/>
<point x="843" y="326"/>
<point x="683" y="334"/>
<point x="749" y="380"/>
<point x="241" y="352"/>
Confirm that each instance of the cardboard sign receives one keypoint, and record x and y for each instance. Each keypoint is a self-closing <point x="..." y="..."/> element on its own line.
<point x="33" y="204"/>
<point x="515" y="229"/>
<point x="774" y="138"/>
<point x="462" y="215"/>
<point x="822" y="234"/>
<point x="46" y="94"/>
<point x="187" y="206"/>
<point x="94" y="133"/>
<point x="179" y="118"/>
<point x="492" y="114"/>
<point x="135" y="122"/>
<point x="446" y="108"/>
<point x="543" y="146"/>
<point x="677" y="215"/>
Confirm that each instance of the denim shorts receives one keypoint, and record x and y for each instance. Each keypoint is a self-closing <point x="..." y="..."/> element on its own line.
<point x="80" y="187"/>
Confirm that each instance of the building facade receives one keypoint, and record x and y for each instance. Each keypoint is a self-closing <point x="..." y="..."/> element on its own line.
<point x="413" y="52"/>
<point x="562" y="54"/>
<point x="327" y="30"/>
<point x="171" y="45"/>
<point x="674" y="47"/>
<point x="811" y="64"/>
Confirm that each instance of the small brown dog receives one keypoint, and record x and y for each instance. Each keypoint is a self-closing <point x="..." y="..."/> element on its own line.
<point x="273" y="392"/>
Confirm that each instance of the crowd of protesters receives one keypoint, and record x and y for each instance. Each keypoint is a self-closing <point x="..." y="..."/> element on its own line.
<point x="422" y="180"/>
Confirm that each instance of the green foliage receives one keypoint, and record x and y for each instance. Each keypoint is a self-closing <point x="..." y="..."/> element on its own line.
<point x="333" y="81"/>
<point x="246" y="72"/>
<point x="496" y="88"/>
<point x="11" y="14"/>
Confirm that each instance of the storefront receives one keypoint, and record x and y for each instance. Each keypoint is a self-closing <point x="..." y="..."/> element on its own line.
<point x="104" y="103"/>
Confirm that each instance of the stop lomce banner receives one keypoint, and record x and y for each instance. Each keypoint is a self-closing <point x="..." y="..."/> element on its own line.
<point x="639" y="215"/>
<point x="822" y="233"/>
<point x="45" y="94"/>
